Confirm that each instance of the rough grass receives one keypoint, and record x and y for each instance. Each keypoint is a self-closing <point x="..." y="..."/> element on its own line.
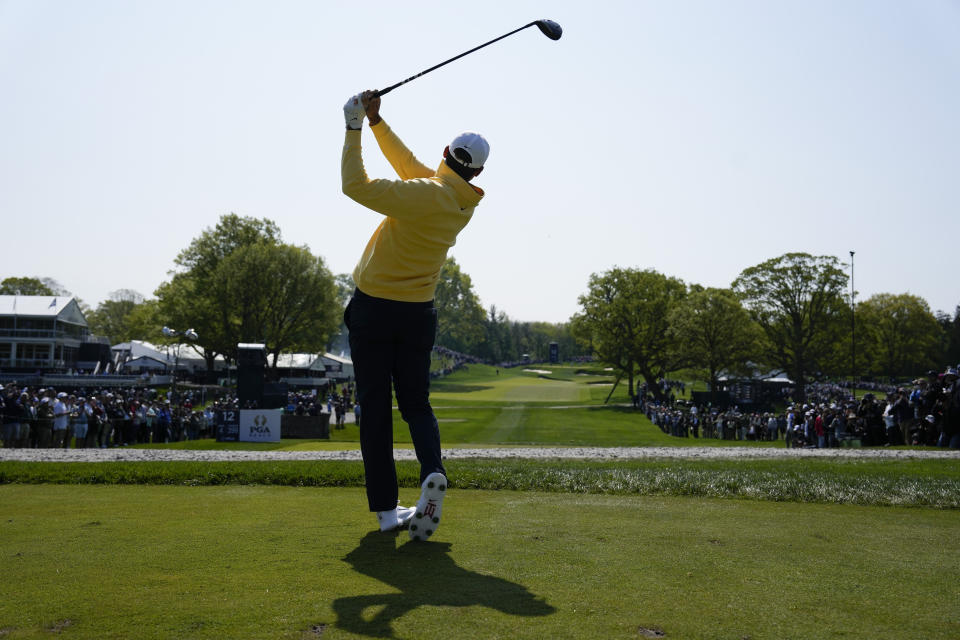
<point x="917" y="483"/>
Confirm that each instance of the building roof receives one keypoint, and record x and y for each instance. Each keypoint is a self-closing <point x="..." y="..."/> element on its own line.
<point x="145" y="362"/>
<point x="140" y="348"/>
<point x="340" y="359"/>
<point x="61" y="307"/>
<point x="298" y="361"/>
<point x="312" y="361"/>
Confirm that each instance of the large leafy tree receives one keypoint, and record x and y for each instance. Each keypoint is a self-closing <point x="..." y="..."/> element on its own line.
<point x="281" y="295"/>
<point x="797" y="299"/>
<point x="460" y="317"/>
<point x="624" y="318"/>
<point x="197" y="297"/>
<point x="901" y="335"/>
<point x="206" y="251"/>
<point x="712" y="332"/>
<point x="184" y="303"/>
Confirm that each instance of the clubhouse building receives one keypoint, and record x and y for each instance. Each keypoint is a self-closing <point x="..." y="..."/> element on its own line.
<point x="43" y="333"/>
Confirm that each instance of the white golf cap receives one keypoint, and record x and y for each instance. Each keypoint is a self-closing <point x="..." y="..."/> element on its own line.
<point x="475" y="146"/>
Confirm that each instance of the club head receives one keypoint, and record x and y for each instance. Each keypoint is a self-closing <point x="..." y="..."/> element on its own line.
<point x="550" y="29"/>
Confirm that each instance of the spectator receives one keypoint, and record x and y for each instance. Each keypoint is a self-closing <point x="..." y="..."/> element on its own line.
<point x="951" y="409"/>
<point x="12" y="414"/>
<point x="80" y="420"/>
<point x="44" y="423"/>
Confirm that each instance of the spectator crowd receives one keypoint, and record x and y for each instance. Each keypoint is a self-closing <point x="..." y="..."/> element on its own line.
<point x="339" y="401"/>
<point x="926" y="412"/>
<point x="100" y="418"/>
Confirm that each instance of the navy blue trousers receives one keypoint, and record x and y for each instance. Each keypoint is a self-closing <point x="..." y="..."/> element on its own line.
<point x="390" y="345"/>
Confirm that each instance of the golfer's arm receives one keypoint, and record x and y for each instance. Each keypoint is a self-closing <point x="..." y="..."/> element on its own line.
<point x="395" y="198"/>
<point x="397" y="154"/>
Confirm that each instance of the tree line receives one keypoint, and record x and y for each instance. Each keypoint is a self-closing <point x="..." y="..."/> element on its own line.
<point x="239" y="282"/>
<point x="789" y="315"/>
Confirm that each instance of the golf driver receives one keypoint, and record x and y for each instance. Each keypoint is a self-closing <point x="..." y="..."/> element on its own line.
<point x="549" y="28"/>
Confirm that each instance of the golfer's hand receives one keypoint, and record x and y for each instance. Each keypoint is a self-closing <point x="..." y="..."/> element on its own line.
<point x="371" y="104"/>
<point x="353" y="112"/>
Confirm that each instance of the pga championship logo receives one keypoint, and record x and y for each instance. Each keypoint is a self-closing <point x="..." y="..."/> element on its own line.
<point x="257" y="425"/>
<point x="260" y="426"/>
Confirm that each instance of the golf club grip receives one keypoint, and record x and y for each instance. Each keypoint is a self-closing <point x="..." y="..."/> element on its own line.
<point x="381" y="92"/>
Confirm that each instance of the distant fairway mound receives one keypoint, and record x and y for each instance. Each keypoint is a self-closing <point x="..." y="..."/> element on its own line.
<point x="484" y="383"/>
<point x="523" y="389"/>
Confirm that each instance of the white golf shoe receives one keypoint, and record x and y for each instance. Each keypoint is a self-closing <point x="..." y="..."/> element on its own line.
<point x="404" y="515"/>
<point x="397" y="518"/>
<point x="427" y="517"/>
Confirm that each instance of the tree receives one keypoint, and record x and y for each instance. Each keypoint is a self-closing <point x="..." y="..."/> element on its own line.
<point x="126" y="295"/>
<point x="949" y="350"/>
<point x="144" y="323"/>
<point x="183" y="303"/>
<point x="122" y="318"/>
<point x="624" y="319"/>
<point x="460" y="316"/>
<point x="280" y="295"/>
<point x="213" y="245"/>
<point x="195" y="297"/>
<point x="57" y="288"/>
<point x="797" y="299"/>
<point x="339" y="341"/>
<point x="25" y="287"/>
<point x="900" y="335"/>
<point x="109" y="319"/>
<point x="713" y="332"/>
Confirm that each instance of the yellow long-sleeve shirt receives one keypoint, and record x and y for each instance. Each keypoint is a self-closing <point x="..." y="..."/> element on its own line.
<point x="425" y="210"/>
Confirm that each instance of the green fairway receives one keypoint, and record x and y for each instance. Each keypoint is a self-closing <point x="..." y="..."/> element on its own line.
<point x="282" y="562"/>
<point x="537" y="384"/>
<point x="547" y="405"/>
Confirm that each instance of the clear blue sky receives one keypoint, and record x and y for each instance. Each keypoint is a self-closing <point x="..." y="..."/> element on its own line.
<point x="694" y="138"/>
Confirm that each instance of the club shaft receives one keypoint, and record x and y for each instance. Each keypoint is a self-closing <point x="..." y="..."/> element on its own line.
<point x="391" y="88"/>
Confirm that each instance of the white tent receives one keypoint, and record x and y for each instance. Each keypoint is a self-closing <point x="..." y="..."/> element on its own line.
<point x="189" y="359"/>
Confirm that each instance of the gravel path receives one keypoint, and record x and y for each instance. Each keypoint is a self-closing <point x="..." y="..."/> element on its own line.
<point x="596" y="453"/>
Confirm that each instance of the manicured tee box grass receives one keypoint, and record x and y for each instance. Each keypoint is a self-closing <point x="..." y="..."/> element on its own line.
<point x="292" y="562"/>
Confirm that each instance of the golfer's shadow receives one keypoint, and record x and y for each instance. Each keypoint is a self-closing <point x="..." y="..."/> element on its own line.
<point x="425" y="574"/>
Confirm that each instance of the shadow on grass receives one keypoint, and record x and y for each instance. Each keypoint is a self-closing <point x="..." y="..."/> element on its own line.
<point x="425" y="574"/>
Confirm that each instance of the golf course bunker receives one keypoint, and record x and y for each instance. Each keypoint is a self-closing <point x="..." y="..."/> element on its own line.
<point x="542" y="372"/>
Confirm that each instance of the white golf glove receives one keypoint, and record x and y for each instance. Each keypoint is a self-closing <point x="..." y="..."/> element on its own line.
<point x="354" y="113"/>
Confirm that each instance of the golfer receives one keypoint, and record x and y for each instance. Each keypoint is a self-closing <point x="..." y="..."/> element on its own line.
<point x="391" y="317"/>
